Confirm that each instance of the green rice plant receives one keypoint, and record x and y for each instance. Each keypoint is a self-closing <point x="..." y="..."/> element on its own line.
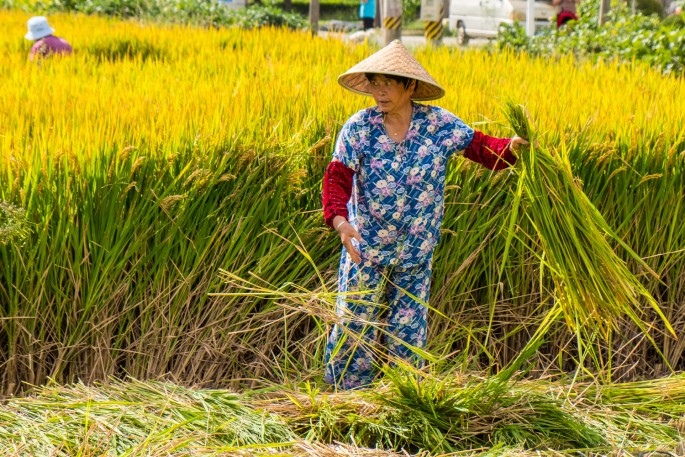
<point x="457" y="413"/>
<point x="135" y="418"/>
<point x="440" y="415"/>
<point x="629" y="185"/>
<point x="417" y="411"/>
<point x="14" y="227"/>
<point x="488" y="412"/>
<point x="470" y="414"/>
<point x="162" y="155"/>
<point x="593" y="284"/>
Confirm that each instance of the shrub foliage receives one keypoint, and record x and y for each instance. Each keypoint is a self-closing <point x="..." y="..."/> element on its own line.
<point x="625" y="37"/>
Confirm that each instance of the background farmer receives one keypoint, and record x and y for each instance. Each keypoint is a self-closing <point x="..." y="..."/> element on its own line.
<point x="383" y="192"/>
<point x="46" y="44"/>
<point x="367" y="13"/>
<point x="567" y="11"/>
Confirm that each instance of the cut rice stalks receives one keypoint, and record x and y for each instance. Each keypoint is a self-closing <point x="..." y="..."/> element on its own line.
<point x="594" y="286"/>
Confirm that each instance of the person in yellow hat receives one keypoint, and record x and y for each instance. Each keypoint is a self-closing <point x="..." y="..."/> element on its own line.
<point x="383" y="193"/>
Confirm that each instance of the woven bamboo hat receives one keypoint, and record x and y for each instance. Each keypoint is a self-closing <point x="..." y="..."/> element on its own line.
<point x="394" y="59"/>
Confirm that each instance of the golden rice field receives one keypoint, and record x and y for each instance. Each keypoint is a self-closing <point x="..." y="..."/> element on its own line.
<point x="171" y="177"/>
<point x="158" y="89"/>
<point x="156" y="156"/>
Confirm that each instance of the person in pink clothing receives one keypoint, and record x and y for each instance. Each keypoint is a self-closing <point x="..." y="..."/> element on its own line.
<point x="567" y="11"/>
<point x="46" y="44"/>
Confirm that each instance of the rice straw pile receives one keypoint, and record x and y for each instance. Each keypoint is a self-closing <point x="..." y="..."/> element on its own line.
<point x="593" y="284"/>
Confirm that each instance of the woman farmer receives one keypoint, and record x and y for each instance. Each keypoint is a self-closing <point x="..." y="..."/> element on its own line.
<point x="383" y="193"/>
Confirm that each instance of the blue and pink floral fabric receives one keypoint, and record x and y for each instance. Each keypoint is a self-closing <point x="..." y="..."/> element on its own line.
<point x="359" y="343"/>
<point x="398" y="190"/>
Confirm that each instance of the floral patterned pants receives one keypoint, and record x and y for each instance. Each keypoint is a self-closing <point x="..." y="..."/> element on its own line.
<point x="391" y="304"/>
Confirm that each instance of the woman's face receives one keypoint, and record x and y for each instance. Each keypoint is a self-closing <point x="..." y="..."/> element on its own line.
<point x="390" y="95"/>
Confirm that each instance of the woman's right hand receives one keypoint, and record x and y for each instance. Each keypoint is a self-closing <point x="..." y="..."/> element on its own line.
<point x="347" y="232"/>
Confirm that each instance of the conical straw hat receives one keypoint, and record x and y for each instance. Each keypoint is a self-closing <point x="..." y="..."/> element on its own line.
<point x="394" y="59"/>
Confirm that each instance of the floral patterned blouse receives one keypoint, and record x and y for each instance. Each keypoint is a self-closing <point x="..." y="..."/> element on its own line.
<point x="397" y="194"/>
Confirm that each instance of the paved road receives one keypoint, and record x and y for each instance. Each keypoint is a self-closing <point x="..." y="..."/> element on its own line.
<point x="413" y="41"/>
<point x="410" y="41"/>
<point x="350" y="32"/>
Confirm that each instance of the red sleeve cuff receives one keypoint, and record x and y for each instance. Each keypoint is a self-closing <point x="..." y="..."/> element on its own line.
<point x="493" y="153"/>
<point x="337" y="189"/>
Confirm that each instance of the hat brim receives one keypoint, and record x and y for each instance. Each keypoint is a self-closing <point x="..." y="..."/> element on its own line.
<point x="358" y="83"/>
<point x="37" y="36"/>
<point x="395" y="60"/>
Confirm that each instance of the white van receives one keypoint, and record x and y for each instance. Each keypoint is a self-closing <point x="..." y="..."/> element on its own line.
<point x="483" y="18"/>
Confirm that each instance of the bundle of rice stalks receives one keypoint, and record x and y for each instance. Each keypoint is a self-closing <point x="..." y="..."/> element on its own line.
<point x="137" y="418"/>
<point x="594" y="286"/>
<point x="437" y="415"/>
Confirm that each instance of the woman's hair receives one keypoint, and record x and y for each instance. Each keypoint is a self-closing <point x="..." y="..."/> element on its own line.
<point x="400" y="79"/>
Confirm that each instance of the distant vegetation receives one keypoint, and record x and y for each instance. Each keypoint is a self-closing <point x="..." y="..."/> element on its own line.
<point x="643" y="36"/>
<point x="208" y="13"/>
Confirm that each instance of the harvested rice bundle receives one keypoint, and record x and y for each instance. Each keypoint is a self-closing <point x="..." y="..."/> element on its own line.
<point x="593" y="284"/>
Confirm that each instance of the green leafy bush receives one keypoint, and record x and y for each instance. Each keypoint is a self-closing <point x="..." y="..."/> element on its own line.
<point x="624" y="37"/>
<point x="675" y="20"/>
<point x="650" y="7"/>
<point x="209" y="13"/>
<point x="259" y="16"/>
<point x="411" y="9"/>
